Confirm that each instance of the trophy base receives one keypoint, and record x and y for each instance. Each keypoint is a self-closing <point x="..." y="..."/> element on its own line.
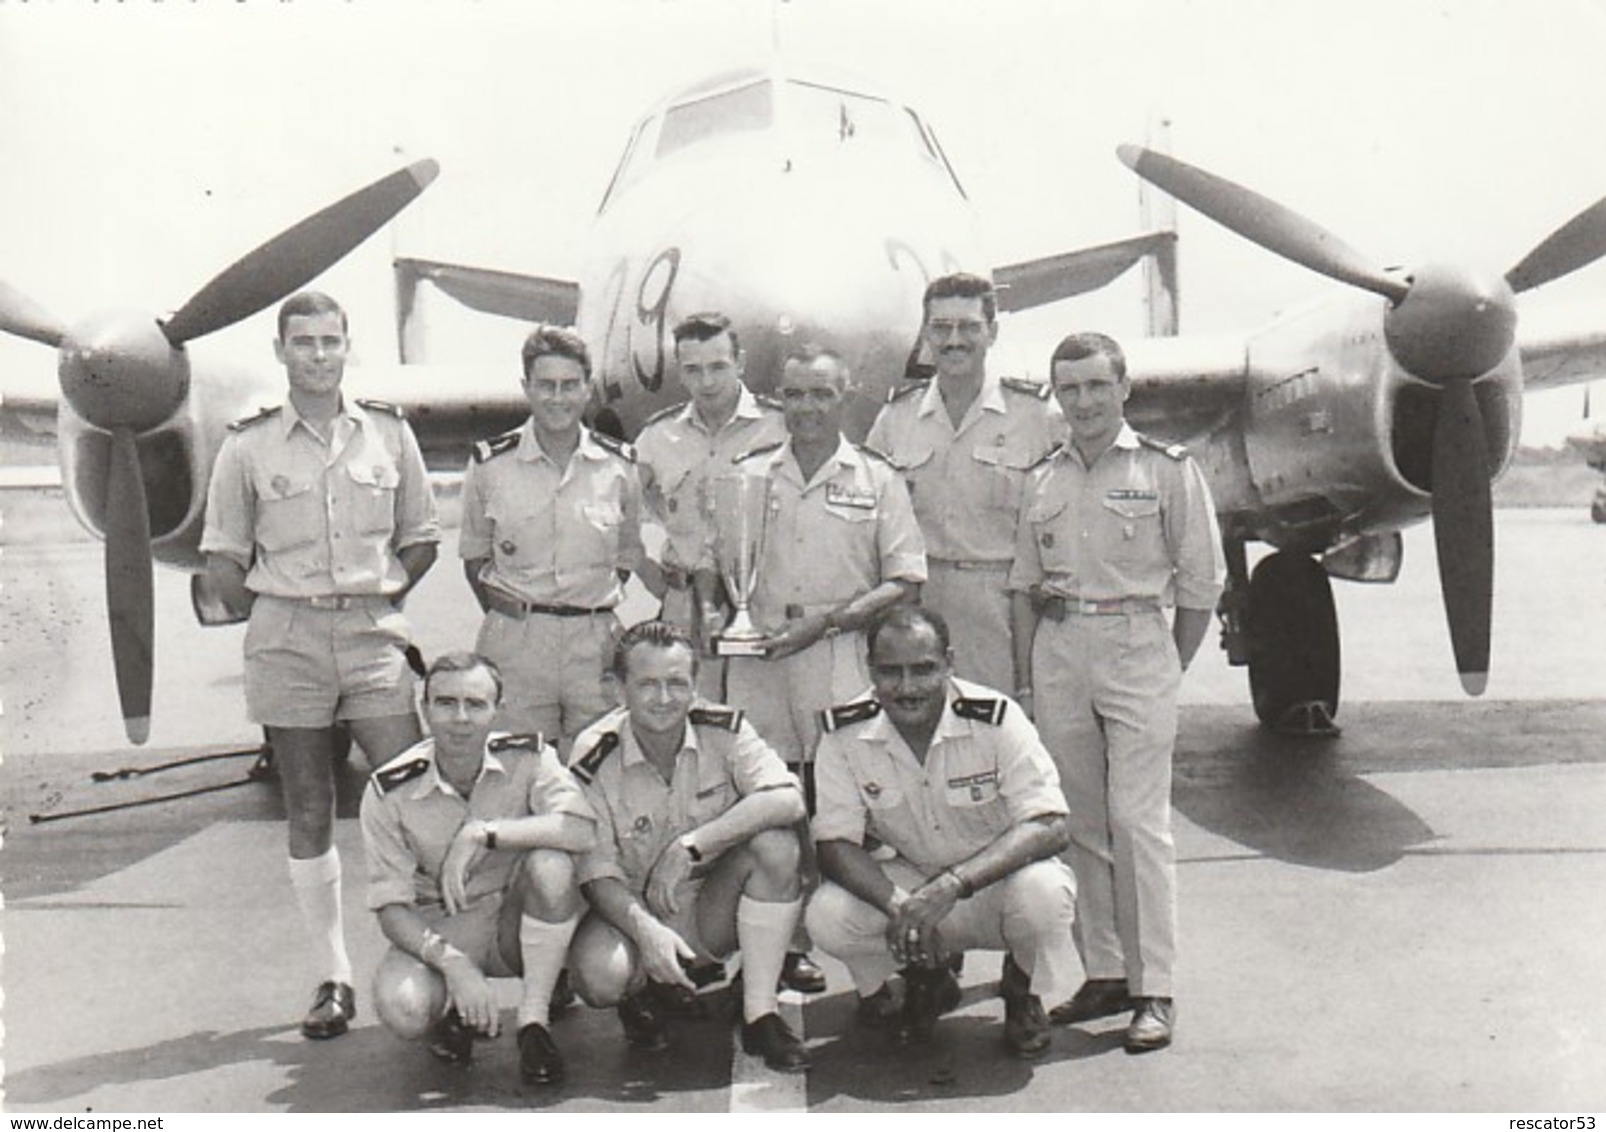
<point x="740" y="646"/>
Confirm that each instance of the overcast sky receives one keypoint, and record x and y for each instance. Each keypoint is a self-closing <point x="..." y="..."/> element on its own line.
<point x="145" y="144"/>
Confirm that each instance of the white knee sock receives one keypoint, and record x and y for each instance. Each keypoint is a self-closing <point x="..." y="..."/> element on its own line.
<point x="543" y="946"/>
<point x="763" y="931"/>
<point x="316" y="881"/>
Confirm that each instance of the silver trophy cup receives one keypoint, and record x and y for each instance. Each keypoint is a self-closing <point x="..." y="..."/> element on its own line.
<point x="741" y="511"/>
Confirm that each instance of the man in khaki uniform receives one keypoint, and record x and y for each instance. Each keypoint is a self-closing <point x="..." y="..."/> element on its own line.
<point x="841" y="545"/>
<point x="470" y="839"/>
<point x="964" y="443"/>
<point x="1113" y="528"/>
<point x="696" y="853"/>
<point x="952" y="777"/>
<point x="680" y="452"/>
<point x="319" y="519"/>
<point x="551" y="530"/>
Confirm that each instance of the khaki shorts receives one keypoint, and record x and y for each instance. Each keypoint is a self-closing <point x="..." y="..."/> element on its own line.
<point x="309" y="667"/>
<point x="487" y="931"/>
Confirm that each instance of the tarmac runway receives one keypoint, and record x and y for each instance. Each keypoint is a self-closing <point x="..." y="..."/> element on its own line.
<point x="1405" y="918"/>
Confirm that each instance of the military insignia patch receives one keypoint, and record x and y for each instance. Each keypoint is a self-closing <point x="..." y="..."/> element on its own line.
<point x="281" y="485"/>
<point x="388" y="778"/>
<point x="873" y="789"/>
<point x="1047" y="539"/>
<point x="508" y="547"/>
<point x="585" y="768"/>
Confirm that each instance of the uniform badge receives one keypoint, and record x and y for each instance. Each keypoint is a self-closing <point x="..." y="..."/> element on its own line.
<point x="873" y="789"/>
<point x="509" y="547"/>
<point x="674" y="504"/>
<point x="975" y="793"/>
<point x="643" y="824"/>
<point x="1048" y="538"/>
<point x="281" y="484"/>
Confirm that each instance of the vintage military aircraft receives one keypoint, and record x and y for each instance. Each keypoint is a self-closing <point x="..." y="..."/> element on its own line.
<point x="806" y="205"/>
<point x="803" y="205"/>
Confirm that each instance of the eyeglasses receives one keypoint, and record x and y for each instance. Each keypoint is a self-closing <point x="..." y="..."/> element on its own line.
<point x="943" y="327"/>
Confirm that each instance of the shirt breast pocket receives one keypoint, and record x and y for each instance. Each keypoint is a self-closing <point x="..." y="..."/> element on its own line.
<point x="915" y="465"/>
<point x="977" y="808"/>
<point x="1003" y="474"/>
<point x="1052" y="534"/>
<point x="1130" y="526"/>
<point x="711" y="800"/>
<point x="374" y="489"/>
<point x="288" y="511"/>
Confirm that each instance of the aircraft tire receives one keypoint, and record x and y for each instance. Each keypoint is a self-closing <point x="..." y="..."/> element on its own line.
<point x="1293" y="637"/>
<point x="1597" y="507"/>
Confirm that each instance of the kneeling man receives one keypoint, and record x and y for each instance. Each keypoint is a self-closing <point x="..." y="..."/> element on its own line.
<point x="470" y="840"/>
<point x="695" y="854"/>
<point x="951" y="777"/>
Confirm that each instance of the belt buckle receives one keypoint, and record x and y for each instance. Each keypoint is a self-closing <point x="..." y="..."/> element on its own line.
<point x="335" y="602"/>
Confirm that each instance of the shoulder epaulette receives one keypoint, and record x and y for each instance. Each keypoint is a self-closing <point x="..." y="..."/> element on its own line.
<point x="383" y="407"/>
<point x="876" y="454"/>
<point x="387" y="778"/>
<point x="759" y="451"/>
<point x="1040" y="390"/>
<point x="255" y="418"/>
<point x="896" y="394"/>
<point x="663" y="414"/>
<point x="1046" y="457"/>
<point x="844" y="715"/>
<point x="619" y="448"/>
<point x="495" y="446"/>
<point x="586" y="766"/>
<point x="1174" y="451"/>
<point x="982" y="710"/>
<point x="724" y="718"/>
<point x="768" y="402"/>
<point x="529" y="741"/>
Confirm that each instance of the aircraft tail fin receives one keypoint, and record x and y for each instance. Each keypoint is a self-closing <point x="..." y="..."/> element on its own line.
<point x="1157" y="211"/>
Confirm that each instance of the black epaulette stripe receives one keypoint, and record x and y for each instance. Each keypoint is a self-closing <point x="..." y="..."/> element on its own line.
<point x="383" y="407"/>
<point x="759" y="451"/>
<point x="1039" y="390"/>
<point x="1053" y="452"/>
<point x="768" y="402"/>
<point x="724" y="718"/>
<point x="618" y="447"/>
<point x="664" y="414"/>
<point x="981" y="710"/>
<point x="495" y="446"/>
<point x="1174" y="451"/>
<point x="526" y="741"/>
<point x="895" y="395"/>
<point x="586" y="766"/>
<point x="387" y="779"/>
<point x="254" y="418"/>
<point x="844" y="715"/>
<point x="876" y="454"/>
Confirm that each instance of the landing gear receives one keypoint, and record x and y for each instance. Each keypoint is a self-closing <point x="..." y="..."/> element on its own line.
<point x="1597" y="508"/>
<point x="1292" y="632"/>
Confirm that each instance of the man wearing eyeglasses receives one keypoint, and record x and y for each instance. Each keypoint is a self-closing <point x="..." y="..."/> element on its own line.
<point x="964" y="442"/>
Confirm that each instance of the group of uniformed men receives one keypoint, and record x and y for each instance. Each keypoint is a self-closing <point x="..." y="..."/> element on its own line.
<point x="871" y="766"/>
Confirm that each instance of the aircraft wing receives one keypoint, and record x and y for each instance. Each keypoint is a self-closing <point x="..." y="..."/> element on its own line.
<point x="528" y="298"/>
<point x="1183" y="387"/>
<point x="1022" y="286"/>
<point x="448" y="406"/>
<point x="1562" y="345"/>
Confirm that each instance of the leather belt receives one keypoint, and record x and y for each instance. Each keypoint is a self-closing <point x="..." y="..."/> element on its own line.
<point x="999" y="565"/>
<point x="1057" y="607"/>
<point x="335" y="602"/>
<point x="519" y="609"/>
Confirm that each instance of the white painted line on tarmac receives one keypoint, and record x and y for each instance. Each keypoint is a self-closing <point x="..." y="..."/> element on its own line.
<point x="755" y="1087"/>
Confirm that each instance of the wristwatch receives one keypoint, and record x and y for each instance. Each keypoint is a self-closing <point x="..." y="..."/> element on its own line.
<point x="692" y="851"/>
<point x="490" y="834"/>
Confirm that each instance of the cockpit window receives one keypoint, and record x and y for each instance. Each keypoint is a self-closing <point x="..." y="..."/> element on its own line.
<point x="749" y="107"/>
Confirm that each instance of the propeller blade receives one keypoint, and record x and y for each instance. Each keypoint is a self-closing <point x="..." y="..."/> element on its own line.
<point x="1577" y="243"/>
<point x="1463" y="529"/>
<point x="25" y="318"/>
<point x="130" y="600"/>
<point x="298" y="255"/>
<point x="1262" y="221"/>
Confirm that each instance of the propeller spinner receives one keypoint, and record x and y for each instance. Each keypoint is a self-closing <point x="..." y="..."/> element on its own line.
<point x="1445" y="326"/>
<point x="126" y="375"/>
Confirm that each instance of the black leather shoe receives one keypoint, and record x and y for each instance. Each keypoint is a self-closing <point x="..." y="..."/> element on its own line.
<point x="927" y="995"/>
<point x="881" y="1010"/>
<point x="450" y="1040"/>
<point x="643" y="1028"/>
<point x="540" y="1063"/>
<point x="800" y="974"/>
<point x="1096" y="998"/>
<point x="1151" y="1026"/>
<point x="772" y="1037"/>
<point x="332" y="1011"/>
<point x="1026" y="1026"/>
